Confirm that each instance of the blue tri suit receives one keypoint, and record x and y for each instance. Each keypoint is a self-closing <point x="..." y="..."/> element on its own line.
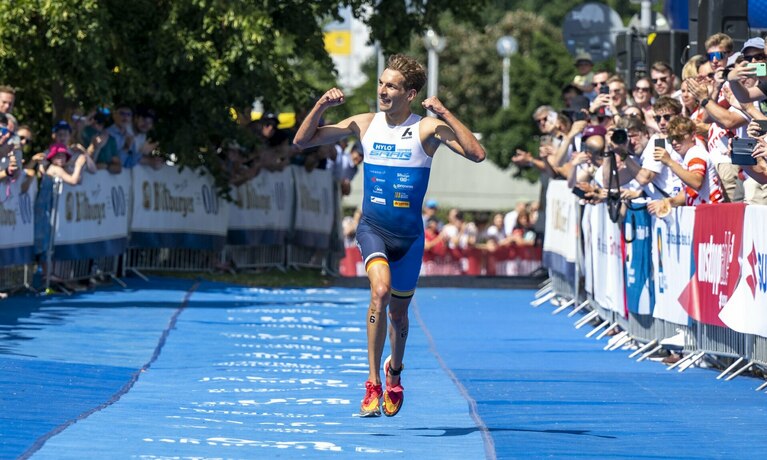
<point x="396" y="173"/>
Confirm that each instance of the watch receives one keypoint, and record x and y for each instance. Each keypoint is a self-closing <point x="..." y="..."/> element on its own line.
<point x="704" y="102"/>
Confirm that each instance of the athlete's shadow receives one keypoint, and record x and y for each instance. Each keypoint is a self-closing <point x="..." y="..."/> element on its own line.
<point x="457" y="431"/>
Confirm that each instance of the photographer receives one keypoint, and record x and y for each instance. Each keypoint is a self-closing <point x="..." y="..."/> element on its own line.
<point x="753" y="52"/>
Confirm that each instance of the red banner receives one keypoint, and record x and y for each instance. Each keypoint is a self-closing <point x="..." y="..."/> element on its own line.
<point x="717" y="241"/>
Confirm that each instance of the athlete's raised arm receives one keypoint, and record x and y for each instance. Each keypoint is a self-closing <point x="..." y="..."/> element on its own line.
<point x="310" y="134"/>
<point x="449" y="130"/>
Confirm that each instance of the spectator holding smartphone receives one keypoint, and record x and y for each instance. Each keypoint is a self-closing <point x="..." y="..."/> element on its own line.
<point x="701" y="183"/>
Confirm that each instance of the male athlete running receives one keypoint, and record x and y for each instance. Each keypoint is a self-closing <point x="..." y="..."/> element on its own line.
<point x="398" y="147"/>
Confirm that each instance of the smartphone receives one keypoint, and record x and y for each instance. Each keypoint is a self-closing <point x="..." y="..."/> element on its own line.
<point x="660" y="143"/>
<point x="762" y="125"/>
<point x="742" y="150"/>
<point x="761" y="68"/>
<point x="604" y="89"/>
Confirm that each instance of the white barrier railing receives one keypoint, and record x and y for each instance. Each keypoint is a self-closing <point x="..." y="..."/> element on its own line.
<point x="700" y="270"/>
<point x="168" y="219"/>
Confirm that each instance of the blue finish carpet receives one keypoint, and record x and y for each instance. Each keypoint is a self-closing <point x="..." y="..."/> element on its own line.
<point x="175" y="369"/>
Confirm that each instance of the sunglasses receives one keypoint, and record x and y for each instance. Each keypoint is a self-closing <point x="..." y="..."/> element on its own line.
<point x="676" y="138"/>
<point x="600" y="83"/>
<point x="666" y="117"/>
<point x="755" y="57"/>
<point x="540" y="120"/>
<point x="718" y="55"/>
<point x="23" y="138"/>
<point x="661" y="79"/>
<point x="642" y="88"/>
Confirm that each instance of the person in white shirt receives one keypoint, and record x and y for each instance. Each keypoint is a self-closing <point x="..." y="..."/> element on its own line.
<point x="656" y="179"/>
<point x="696" y="171"/>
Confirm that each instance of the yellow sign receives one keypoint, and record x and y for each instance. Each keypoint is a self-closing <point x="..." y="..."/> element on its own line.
<point x="338" y="42"/>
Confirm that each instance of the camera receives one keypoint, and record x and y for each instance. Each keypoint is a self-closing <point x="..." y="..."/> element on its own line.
<point x="619" y="136"/>
<point x="741" y="152"/>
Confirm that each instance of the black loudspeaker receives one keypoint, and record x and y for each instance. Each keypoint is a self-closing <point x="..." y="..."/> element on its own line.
<point x="630" y="57"/>
<point x="692" y="11"/>
<point x="708" y="17"/>
<point x="671" y="47"/>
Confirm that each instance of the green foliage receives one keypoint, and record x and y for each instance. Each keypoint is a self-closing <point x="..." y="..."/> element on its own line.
<point x="195" y="61"/>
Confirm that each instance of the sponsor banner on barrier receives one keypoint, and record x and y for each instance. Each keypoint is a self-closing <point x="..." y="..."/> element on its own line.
<point x="92" y="217"/>
<point x="717" y="241"/>
<point x="607" y="258"/>
<point x="314" y="207"/>
<point x="673" y="262"/>
<point x="262" y="210"/>
<point x="746" y="310"/>
<point x="637" y="228"/>
<point x="560" y="238"/>
<point x="17" y="222"/>
<point x="176" y="209"/>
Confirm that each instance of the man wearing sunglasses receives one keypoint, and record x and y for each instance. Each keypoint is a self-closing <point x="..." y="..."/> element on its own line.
<point x="753" y="52"/>
<point x="727" y="121"/>
<point x="657" y="180"/>
<point x="663" y="79"/>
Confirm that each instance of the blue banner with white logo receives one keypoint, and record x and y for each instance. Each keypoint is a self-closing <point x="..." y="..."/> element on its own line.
<point x="640" y="294"/>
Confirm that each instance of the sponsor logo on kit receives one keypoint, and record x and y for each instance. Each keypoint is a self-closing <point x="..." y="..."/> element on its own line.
<point x="408" y="134"/>
<point x="401" y="204"/>
<point x="403" y="177"/>
<point x="402" y="187"/>
<point x="377" y="200"/>
<point x="401" y="195"/>
<point x="377" y="189"/>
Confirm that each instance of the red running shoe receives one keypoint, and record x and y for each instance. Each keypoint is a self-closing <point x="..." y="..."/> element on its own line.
<point x="394" y="395"/>
<point x="371" y="405"/>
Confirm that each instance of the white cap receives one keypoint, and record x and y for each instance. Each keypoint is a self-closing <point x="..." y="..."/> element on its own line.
<point x="756" y="42"/>
<point x="731" y="60"/>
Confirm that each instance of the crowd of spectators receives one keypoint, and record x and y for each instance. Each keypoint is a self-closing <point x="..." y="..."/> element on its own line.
<point x="122" y="137"/>
<point x="462" y="233"/>
<point x="666" y="141"/>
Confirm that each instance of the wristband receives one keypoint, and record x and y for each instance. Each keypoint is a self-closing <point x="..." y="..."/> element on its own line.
<point x="704" y="102"/>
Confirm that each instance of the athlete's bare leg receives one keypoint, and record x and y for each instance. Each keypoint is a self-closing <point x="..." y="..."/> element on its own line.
<point x="380" y="295"/>
<point x="399" y="327"/>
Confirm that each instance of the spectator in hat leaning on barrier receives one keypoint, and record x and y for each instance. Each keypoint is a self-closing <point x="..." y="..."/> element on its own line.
<point x="398" y="149"/>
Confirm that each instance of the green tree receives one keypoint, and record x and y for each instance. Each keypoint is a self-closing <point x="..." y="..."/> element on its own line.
<point x="197" y="62"/>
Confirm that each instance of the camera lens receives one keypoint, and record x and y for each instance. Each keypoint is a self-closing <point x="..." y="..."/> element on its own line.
<point x="620" y="136"/>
